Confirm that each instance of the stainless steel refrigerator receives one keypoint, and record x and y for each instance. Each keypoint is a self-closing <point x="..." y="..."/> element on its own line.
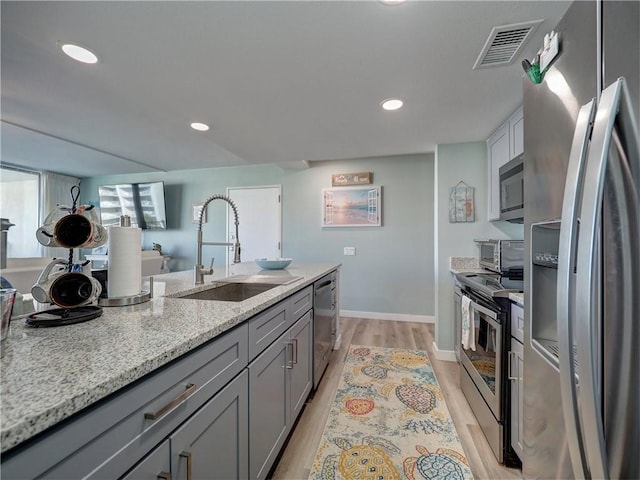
<point x="582" y="279"/>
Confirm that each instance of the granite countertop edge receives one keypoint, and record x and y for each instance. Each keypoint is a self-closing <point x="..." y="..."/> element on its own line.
<point x="49" y="374"/>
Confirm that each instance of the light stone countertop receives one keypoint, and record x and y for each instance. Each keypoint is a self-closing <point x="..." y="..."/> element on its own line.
<point x="517" y="298"/>
<point x="49" y="374"/>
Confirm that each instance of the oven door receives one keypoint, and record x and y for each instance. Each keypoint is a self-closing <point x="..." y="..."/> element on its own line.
<point x="484" y="364"/>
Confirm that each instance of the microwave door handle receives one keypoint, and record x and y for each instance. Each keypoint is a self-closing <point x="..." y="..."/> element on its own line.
<point x="569" y="230"/>
<point x="614" y="110"/>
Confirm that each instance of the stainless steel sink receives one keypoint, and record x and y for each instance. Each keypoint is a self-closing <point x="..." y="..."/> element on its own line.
<point x="231" y="292"/>
<point x="274" y="279"/>
<point x="239" y="287"/>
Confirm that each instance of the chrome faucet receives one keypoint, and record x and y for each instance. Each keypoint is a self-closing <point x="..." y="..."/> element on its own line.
<point x="198" y="270"/>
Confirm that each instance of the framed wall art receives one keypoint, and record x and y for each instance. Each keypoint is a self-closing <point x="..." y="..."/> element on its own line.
<point x="461" y="204"/>
<point x="341" y="179"/>
<point x="352" y="207"/>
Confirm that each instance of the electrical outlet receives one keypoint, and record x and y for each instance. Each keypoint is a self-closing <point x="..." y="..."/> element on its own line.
<point x="349" y="250"/>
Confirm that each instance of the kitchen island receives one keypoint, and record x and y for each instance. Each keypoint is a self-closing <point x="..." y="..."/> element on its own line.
<point x="50" y="376"/>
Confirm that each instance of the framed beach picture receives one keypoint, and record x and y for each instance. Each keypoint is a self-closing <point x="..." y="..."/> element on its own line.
<point x="352" y="207"/>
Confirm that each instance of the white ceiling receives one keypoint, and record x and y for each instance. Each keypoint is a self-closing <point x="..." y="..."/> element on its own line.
<point x="279" y="82"/>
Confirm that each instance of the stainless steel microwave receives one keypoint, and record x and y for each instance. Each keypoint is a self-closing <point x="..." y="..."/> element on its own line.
<point x="512" y="190"/>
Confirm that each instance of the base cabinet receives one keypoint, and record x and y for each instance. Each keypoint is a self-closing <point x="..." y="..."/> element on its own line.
<point x="268" y="406"/>
<point x="214" y="442"/>
<point x="155" y="466"/>
<point x="516" y="373"/>
<point x="222" y="411"/>
<point x="279" y="382"/>
<point x="301" y="336"/>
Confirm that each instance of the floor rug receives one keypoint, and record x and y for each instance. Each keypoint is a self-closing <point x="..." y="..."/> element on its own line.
<point x="389" y="421"/>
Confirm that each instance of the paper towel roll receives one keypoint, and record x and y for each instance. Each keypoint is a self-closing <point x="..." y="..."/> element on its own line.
<point x="125" y="263"/>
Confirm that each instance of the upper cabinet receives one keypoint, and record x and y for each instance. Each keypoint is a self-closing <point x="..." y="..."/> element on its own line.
<point x="506" y="143"/>
<point x="516" y="133"/>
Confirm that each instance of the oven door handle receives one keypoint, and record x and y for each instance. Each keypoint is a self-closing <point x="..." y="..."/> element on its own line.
<point x="492" y="315"/>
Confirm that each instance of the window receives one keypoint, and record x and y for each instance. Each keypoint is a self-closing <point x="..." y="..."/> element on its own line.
<point x="19" y="203"/>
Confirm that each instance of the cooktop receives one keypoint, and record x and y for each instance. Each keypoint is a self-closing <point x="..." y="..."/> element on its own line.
<point x="494" y="285"/>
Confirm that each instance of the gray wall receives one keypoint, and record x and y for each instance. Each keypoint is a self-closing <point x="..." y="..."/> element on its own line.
<point x="467" y="162"/>
<point x="393" y="270"/>
<point x="183" y="188"/>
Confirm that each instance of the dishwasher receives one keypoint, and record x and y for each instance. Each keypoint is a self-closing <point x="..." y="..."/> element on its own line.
<point x="324" y="321"/>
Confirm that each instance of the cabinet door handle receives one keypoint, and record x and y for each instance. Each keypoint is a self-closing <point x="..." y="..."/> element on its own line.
<point x="191" y="388"/>
<point x="509" y="374"/>
<point x="288" y="363"/>
<point x="295" y="351"/>
<point x="164" y="476"/>
<point x="187" y="455"/>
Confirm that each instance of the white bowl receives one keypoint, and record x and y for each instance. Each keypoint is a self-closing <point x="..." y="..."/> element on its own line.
<point x="273" y="263"/>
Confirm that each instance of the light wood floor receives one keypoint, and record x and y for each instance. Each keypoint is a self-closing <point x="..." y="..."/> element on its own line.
<point x="295" y="462"/>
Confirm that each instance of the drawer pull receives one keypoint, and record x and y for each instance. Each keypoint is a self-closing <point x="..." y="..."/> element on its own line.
<point x="187" y="455"/>
<point x="295" y="351"/>
<point x="509" y="374"/>
<point x="288" y="363"/>
<point x="191" y="388"/>
<point x="164" y="476"/>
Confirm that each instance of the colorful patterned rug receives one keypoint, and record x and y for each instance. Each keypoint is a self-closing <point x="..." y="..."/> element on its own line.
<point x="389" y="421"/>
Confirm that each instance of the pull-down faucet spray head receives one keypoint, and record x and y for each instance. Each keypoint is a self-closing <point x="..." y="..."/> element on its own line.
<point x="199" y="271"/>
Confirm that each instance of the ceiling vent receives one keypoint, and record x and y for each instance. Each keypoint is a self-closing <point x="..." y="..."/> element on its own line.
<point x="504" y="43"/>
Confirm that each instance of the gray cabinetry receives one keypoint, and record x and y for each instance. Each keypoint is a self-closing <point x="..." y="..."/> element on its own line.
<point x="516" y="371"/>
<point x="300" y="302"/>
<point x="280" y="380"/>
<point x="213" y="443"/>
<point x="155" y="466"/>
<point x="301" y="336"/>
<point x="265" y="327"/>
<point x="204" y="415"/>
<point x="106" y="440"/>
<point x="269" y="406"/>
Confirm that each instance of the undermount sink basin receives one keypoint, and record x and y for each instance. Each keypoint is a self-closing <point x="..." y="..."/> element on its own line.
<point x="231" y="292"/>
<point x="238" y="288"/>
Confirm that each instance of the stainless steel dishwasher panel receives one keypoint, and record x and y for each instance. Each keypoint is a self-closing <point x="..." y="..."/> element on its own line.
<point x="323" y="313"/>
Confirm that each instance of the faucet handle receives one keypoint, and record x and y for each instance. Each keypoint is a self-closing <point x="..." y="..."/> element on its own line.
<point x="208" y="271"/>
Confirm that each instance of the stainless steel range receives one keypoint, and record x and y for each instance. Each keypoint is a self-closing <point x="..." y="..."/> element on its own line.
<point x="482" y="348"/>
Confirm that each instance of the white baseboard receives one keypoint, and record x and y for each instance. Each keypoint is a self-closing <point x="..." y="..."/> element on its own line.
<point x="398" y="317"/>
<point x="446" y="355"/>
<point x="338" y="342"/>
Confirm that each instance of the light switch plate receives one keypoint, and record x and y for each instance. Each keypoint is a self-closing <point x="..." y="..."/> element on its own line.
<point x="349" y="250"/>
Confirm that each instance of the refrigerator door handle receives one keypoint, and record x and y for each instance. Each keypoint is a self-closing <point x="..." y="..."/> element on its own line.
<point x="614" y="458"/>
<point x="569" y="231"/>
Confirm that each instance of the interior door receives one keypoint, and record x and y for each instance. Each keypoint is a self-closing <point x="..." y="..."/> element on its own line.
<point x="260" y="217"/>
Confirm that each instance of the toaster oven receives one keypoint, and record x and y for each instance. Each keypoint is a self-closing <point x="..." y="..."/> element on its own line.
<point x="502" y="256"/>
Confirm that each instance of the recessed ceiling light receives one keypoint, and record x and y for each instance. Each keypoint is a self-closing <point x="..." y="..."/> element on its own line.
<point x="392" y="2"/>
<point x="79" y="53"/>
<point x="391" y="104"/>
<point x="201" y="127"/>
